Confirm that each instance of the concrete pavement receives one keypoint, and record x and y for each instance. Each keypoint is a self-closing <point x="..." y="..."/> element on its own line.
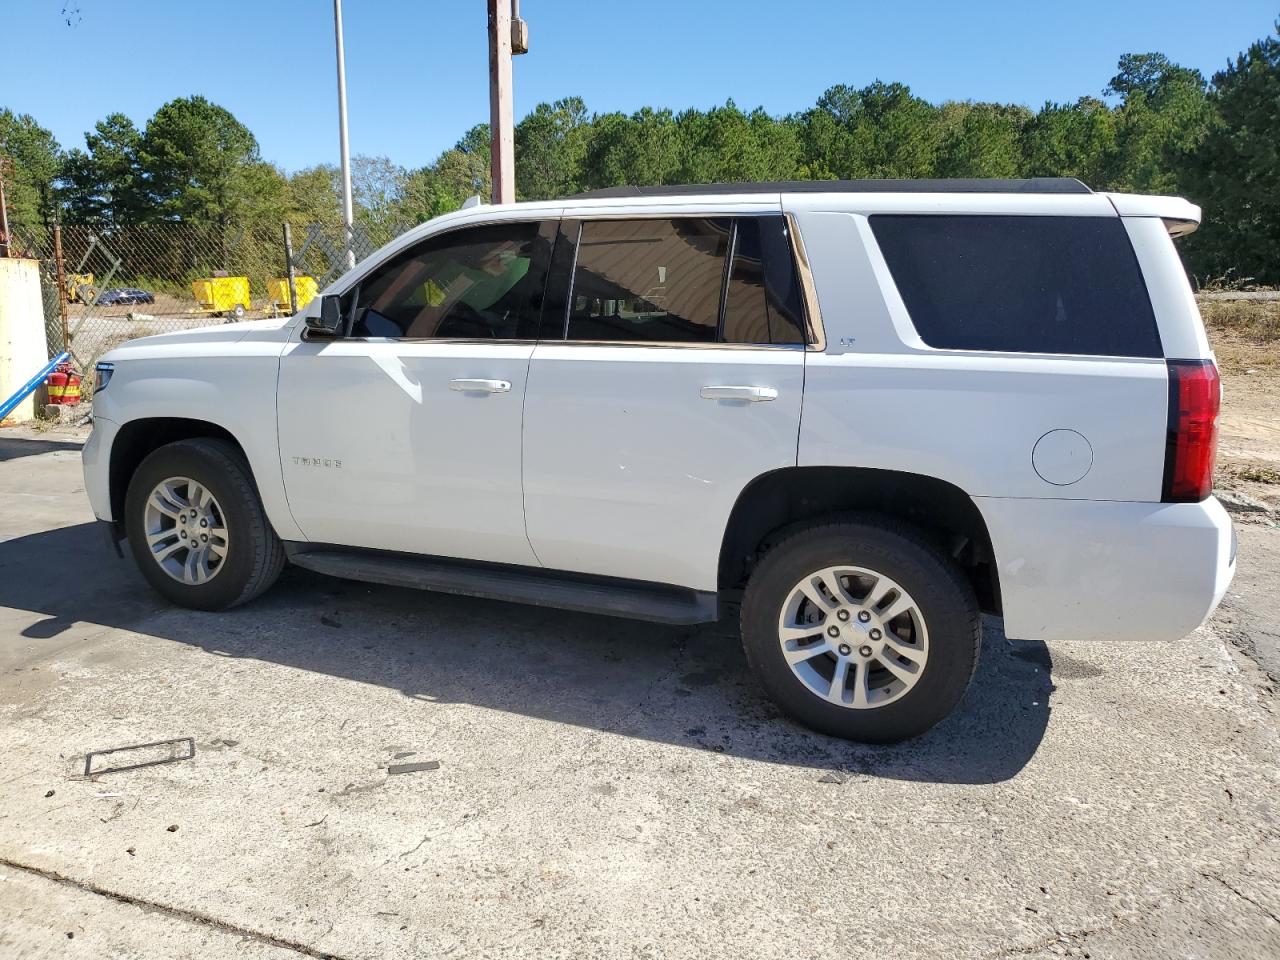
<point x="606" y="788"/>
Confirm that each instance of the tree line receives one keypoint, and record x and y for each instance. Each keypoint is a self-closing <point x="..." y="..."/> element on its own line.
<point x="1156" y="127"/>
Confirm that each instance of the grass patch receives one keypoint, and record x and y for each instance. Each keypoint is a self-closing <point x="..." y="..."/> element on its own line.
<point x="1255" y="320"/>
<point x="1258" y="474"/>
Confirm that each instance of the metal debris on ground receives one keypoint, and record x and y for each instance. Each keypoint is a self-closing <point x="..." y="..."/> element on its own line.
<point x="414" y="767"/>
<point x="161" y="751"/>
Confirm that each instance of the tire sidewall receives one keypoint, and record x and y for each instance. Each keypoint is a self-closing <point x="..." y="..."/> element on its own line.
<point x="948" y="609"/>
<point x="211" y="471"/>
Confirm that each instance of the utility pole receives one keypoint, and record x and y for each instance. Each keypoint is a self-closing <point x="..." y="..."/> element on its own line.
<point x="508" y="35"/>
<point x="343" y="149"/>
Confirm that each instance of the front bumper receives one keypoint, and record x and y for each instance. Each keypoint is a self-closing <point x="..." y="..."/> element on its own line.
<point x="95" y="460"/>
<point x="1108" y="570"/>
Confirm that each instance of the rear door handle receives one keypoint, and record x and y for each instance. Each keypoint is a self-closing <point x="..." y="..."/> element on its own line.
<point x="464" y="385"/>
<point x="750" y="394"/>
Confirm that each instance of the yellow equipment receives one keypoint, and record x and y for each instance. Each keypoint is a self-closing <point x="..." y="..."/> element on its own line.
<point x="278" y="292"/>
<point x="227" y="296"/>
<point x="80" y="287"/>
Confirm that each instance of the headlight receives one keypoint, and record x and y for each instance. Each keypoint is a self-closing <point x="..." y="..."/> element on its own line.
<point x="102" y="376"/>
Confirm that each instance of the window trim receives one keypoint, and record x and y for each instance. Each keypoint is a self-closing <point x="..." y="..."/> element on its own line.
<point x="725" y="276"/>
<point x="816" y="333"/>
<point x="815" y="342"/>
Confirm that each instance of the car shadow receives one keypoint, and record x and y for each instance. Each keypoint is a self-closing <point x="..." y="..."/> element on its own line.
<point x="12" y="448"/>
<point x="682" y="685"/>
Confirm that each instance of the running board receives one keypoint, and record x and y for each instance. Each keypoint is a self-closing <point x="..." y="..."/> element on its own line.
<point x="659" y="603"/>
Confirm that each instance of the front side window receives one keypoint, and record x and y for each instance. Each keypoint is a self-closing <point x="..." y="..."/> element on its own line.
<point x="1032" y="284"/>
<point x="476" y="283"/>
<point x="685" y="280"/>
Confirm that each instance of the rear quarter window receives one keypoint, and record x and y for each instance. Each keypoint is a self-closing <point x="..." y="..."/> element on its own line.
<point x="1066" y="285"/>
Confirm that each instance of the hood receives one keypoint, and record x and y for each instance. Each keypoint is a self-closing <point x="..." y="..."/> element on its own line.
<point x="213" y="334"/>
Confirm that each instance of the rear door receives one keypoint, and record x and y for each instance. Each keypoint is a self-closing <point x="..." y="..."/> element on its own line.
<point x="669" y="375"/>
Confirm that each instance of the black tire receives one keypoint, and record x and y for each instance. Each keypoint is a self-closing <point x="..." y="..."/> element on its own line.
<point x="943" y="596"/>
<point x="255" y="555"/>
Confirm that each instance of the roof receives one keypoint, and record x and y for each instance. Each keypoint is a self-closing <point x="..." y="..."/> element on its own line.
<point x="1055" y="185"/>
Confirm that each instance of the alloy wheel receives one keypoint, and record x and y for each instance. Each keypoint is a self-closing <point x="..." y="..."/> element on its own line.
<point x="186" y="530"/>
<point x="853" y="637"/>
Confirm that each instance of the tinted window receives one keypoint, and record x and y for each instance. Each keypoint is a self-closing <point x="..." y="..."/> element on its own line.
<point x="1020" y="284"/>
<point x="762" y="300"/>
<point x="648" y="280"/>
<point x="477" y="283"/>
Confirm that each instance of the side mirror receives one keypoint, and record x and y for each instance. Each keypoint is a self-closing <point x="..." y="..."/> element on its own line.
<point x="328" y="322"/>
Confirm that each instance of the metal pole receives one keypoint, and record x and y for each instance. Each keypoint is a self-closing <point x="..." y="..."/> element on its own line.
<point x="344" y="150"/>
<point x="4" y="216"/>
<point x="61" y="272"/>
<point x="288" y="262"/>
<point x="501" y="125"/>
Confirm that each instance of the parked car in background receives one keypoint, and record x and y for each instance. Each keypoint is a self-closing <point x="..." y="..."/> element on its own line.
<point x="864" y="412"/>
<point x="124" y="296"/>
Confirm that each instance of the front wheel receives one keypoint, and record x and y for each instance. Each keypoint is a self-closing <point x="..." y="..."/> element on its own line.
<point x="197" y="528"/>
<point x="861" y="630"/>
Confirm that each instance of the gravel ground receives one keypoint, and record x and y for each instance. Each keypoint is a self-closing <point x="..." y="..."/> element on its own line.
<point x="605" y="788"/>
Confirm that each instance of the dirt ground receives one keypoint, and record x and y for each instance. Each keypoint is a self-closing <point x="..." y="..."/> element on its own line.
<point x="1246" y="339"/>
<point x="1249" y="439"/>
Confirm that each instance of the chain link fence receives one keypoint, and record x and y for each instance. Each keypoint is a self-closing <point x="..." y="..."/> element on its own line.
<point x="102" y="287"/>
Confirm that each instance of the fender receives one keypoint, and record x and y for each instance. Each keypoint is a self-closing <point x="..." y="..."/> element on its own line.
<point x="229" y="385"/>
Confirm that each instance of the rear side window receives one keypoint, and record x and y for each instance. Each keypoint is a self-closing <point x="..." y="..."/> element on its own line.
<point x="762" y="299"/>
<point x="681" y="280"/>
<point x="649" y="280"/>
<point x="1067" y="285"/>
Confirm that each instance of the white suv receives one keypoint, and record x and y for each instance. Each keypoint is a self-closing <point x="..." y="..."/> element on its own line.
<point x="865" y="410"/>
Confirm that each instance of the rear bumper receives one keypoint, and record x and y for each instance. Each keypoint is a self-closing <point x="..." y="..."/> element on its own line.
<point x="1102" y="570"/>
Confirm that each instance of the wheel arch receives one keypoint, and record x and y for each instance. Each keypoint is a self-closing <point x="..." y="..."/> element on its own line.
<point x="781" y="499"/>
<point x="136" y="439"/>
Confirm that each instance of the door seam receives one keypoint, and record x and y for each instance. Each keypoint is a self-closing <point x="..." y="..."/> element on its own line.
<point x="524" y="501"/>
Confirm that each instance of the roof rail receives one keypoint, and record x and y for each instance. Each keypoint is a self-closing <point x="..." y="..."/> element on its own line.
<point x="974" y="185"/>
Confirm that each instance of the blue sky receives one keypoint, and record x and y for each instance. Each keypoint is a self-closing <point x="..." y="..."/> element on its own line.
<point x="418" y="71"/>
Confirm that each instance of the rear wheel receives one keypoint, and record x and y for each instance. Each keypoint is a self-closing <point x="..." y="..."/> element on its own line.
<point x="861" y="630"/>
<point x="197" y="528"/>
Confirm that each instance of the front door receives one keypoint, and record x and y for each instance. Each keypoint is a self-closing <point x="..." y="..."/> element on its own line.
<point x="405" y="434"/>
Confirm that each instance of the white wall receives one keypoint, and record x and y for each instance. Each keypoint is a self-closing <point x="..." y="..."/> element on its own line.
<point x="22" y="336"/>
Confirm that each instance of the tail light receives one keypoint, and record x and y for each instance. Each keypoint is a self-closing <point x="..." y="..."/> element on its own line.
<point x="1194" y="396"/>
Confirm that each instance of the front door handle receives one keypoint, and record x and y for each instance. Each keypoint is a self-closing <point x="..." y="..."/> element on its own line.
<point x="750" y="394"/>
<point x="465" y="385"/>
